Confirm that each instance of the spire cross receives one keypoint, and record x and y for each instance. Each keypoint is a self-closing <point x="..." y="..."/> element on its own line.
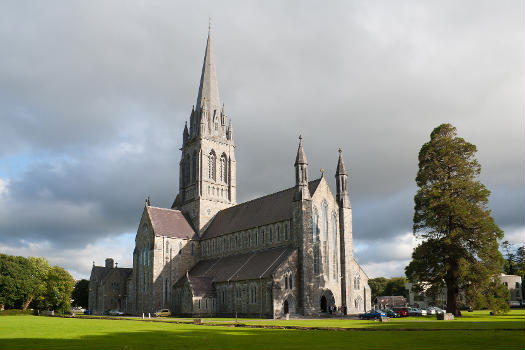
<point x="209" y="24"/>
<point x="340" y="150"/>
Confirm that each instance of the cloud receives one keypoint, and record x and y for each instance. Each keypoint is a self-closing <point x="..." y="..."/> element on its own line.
<point x="93" y="103"/>
<point x="385" y="257"/>
<point x="78" y="260"/>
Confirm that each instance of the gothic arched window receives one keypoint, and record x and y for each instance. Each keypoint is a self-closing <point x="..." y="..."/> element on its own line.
<point x="223" y="169"/>
<point x="315" y="220"/>
<point x="324" y="222"/>
<point x="335" y="254"/>
<point x="212" y="158"/>
<point x="315" y="239"/>
<point x="194" y="167"/>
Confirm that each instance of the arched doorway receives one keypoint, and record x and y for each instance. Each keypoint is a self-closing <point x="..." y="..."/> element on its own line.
<point x="324" y="306"/>
<point x="286" y="308"/>
<point x="327" y="300"/>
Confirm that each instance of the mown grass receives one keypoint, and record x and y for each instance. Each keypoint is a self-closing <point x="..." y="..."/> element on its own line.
<point x="38" y="332"/>
<point x="515" y="319"/>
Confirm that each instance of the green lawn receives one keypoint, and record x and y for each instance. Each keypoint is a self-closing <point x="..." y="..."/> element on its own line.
<point x="475" y="331"/>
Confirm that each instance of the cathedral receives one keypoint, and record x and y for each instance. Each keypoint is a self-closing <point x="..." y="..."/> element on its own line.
<point x="289" y="252"/>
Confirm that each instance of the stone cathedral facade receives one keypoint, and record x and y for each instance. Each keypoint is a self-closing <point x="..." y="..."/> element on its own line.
<point x="286" y="252"/>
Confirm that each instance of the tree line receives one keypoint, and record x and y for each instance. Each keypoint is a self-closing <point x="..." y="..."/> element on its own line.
<point x="33" y="282"/>
<point x="381" y="286"/>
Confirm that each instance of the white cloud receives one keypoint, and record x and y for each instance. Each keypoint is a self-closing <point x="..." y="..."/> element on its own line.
<point x="4" y="183"/>
<point x="515" y="235"/>
<point x="386" y="268"/>
<point x="397" y="248"/>
<point x="78" y="261"/>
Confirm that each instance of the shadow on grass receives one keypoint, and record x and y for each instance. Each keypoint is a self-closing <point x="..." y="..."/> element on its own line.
<point x="235" y="338"/>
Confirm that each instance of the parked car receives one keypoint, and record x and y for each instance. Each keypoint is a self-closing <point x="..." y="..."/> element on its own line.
<point x="115" y="312"/>
<point x="162" y="312"/>
<point x="391" y="313"/>
<point x="401" y="311"/>
<point x="431" y="311"/>
<point x="434" y="310"/>
<point x="373" y="314"/>
<point x="413" y="311"/>
<point x="77" y="310"/>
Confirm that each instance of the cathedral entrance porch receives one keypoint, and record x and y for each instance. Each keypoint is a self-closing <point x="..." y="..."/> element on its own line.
<point x="327" y="300"/>
<point x="289" y="306"/>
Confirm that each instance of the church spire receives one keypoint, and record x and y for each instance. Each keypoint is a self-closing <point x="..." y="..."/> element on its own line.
<point x="341" y="169"/>
<point x="301" y="173"/>
<point x="208" y="88"/>
<point x="341" y="179"/>
<point x="301" y="157"/>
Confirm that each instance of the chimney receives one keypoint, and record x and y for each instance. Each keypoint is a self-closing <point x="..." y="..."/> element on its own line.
<point x="109" y="262"/>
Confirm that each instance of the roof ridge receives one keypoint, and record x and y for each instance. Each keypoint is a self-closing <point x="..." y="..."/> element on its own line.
<point x="152" y="206"/>
<point x="267" y="195"/>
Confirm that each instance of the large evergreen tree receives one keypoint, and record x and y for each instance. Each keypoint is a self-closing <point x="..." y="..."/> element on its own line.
<point x="459" y="246"/>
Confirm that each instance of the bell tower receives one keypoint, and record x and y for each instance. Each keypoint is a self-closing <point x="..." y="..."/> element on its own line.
<point x="207" y="178"/>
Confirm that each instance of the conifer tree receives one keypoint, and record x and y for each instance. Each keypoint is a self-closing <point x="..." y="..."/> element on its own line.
<point x="459" y="248"/>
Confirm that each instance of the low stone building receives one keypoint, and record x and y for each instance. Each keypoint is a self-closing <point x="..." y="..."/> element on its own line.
<point x="108" y="288"/>
<point x="383" y="302"/>
<point x="514" y="284"/>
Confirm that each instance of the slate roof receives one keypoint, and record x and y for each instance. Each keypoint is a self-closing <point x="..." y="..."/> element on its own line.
<point x="257" y="212"/>
<point x="170" y="223"/>
<point x="101" y="272"/>
<point x="395" y="300"/>
<point x="201" y="286"/>
<point x="254" y="265"/>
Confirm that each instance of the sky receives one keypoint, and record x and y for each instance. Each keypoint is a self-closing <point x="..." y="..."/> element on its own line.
<point x="94" y="96"/>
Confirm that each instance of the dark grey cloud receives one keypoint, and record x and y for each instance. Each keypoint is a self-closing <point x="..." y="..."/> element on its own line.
<point x="94" y="95"/>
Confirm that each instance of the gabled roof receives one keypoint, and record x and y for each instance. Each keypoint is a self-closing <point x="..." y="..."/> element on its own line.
<point x="257" y="212"/>
<point x="101" y="272"/>
<point x="170" y="223"/>
<point x="200" y="286"/>
<point x="255" y="265"/>
<point x="391" y="299"/>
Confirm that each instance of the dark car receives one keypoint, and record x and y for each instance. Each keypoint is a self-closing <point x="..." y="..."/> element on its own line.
<point x="391" y="313"/>
<point x="373" y="314"/>
<point x="401" y="311"/>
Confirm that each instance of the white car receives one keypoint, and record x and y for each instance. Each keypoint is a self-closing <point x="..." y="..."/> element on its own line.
<point x="439" y="310"/>
<point x="416" y="312"/>
<point x="115" y="312"/>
